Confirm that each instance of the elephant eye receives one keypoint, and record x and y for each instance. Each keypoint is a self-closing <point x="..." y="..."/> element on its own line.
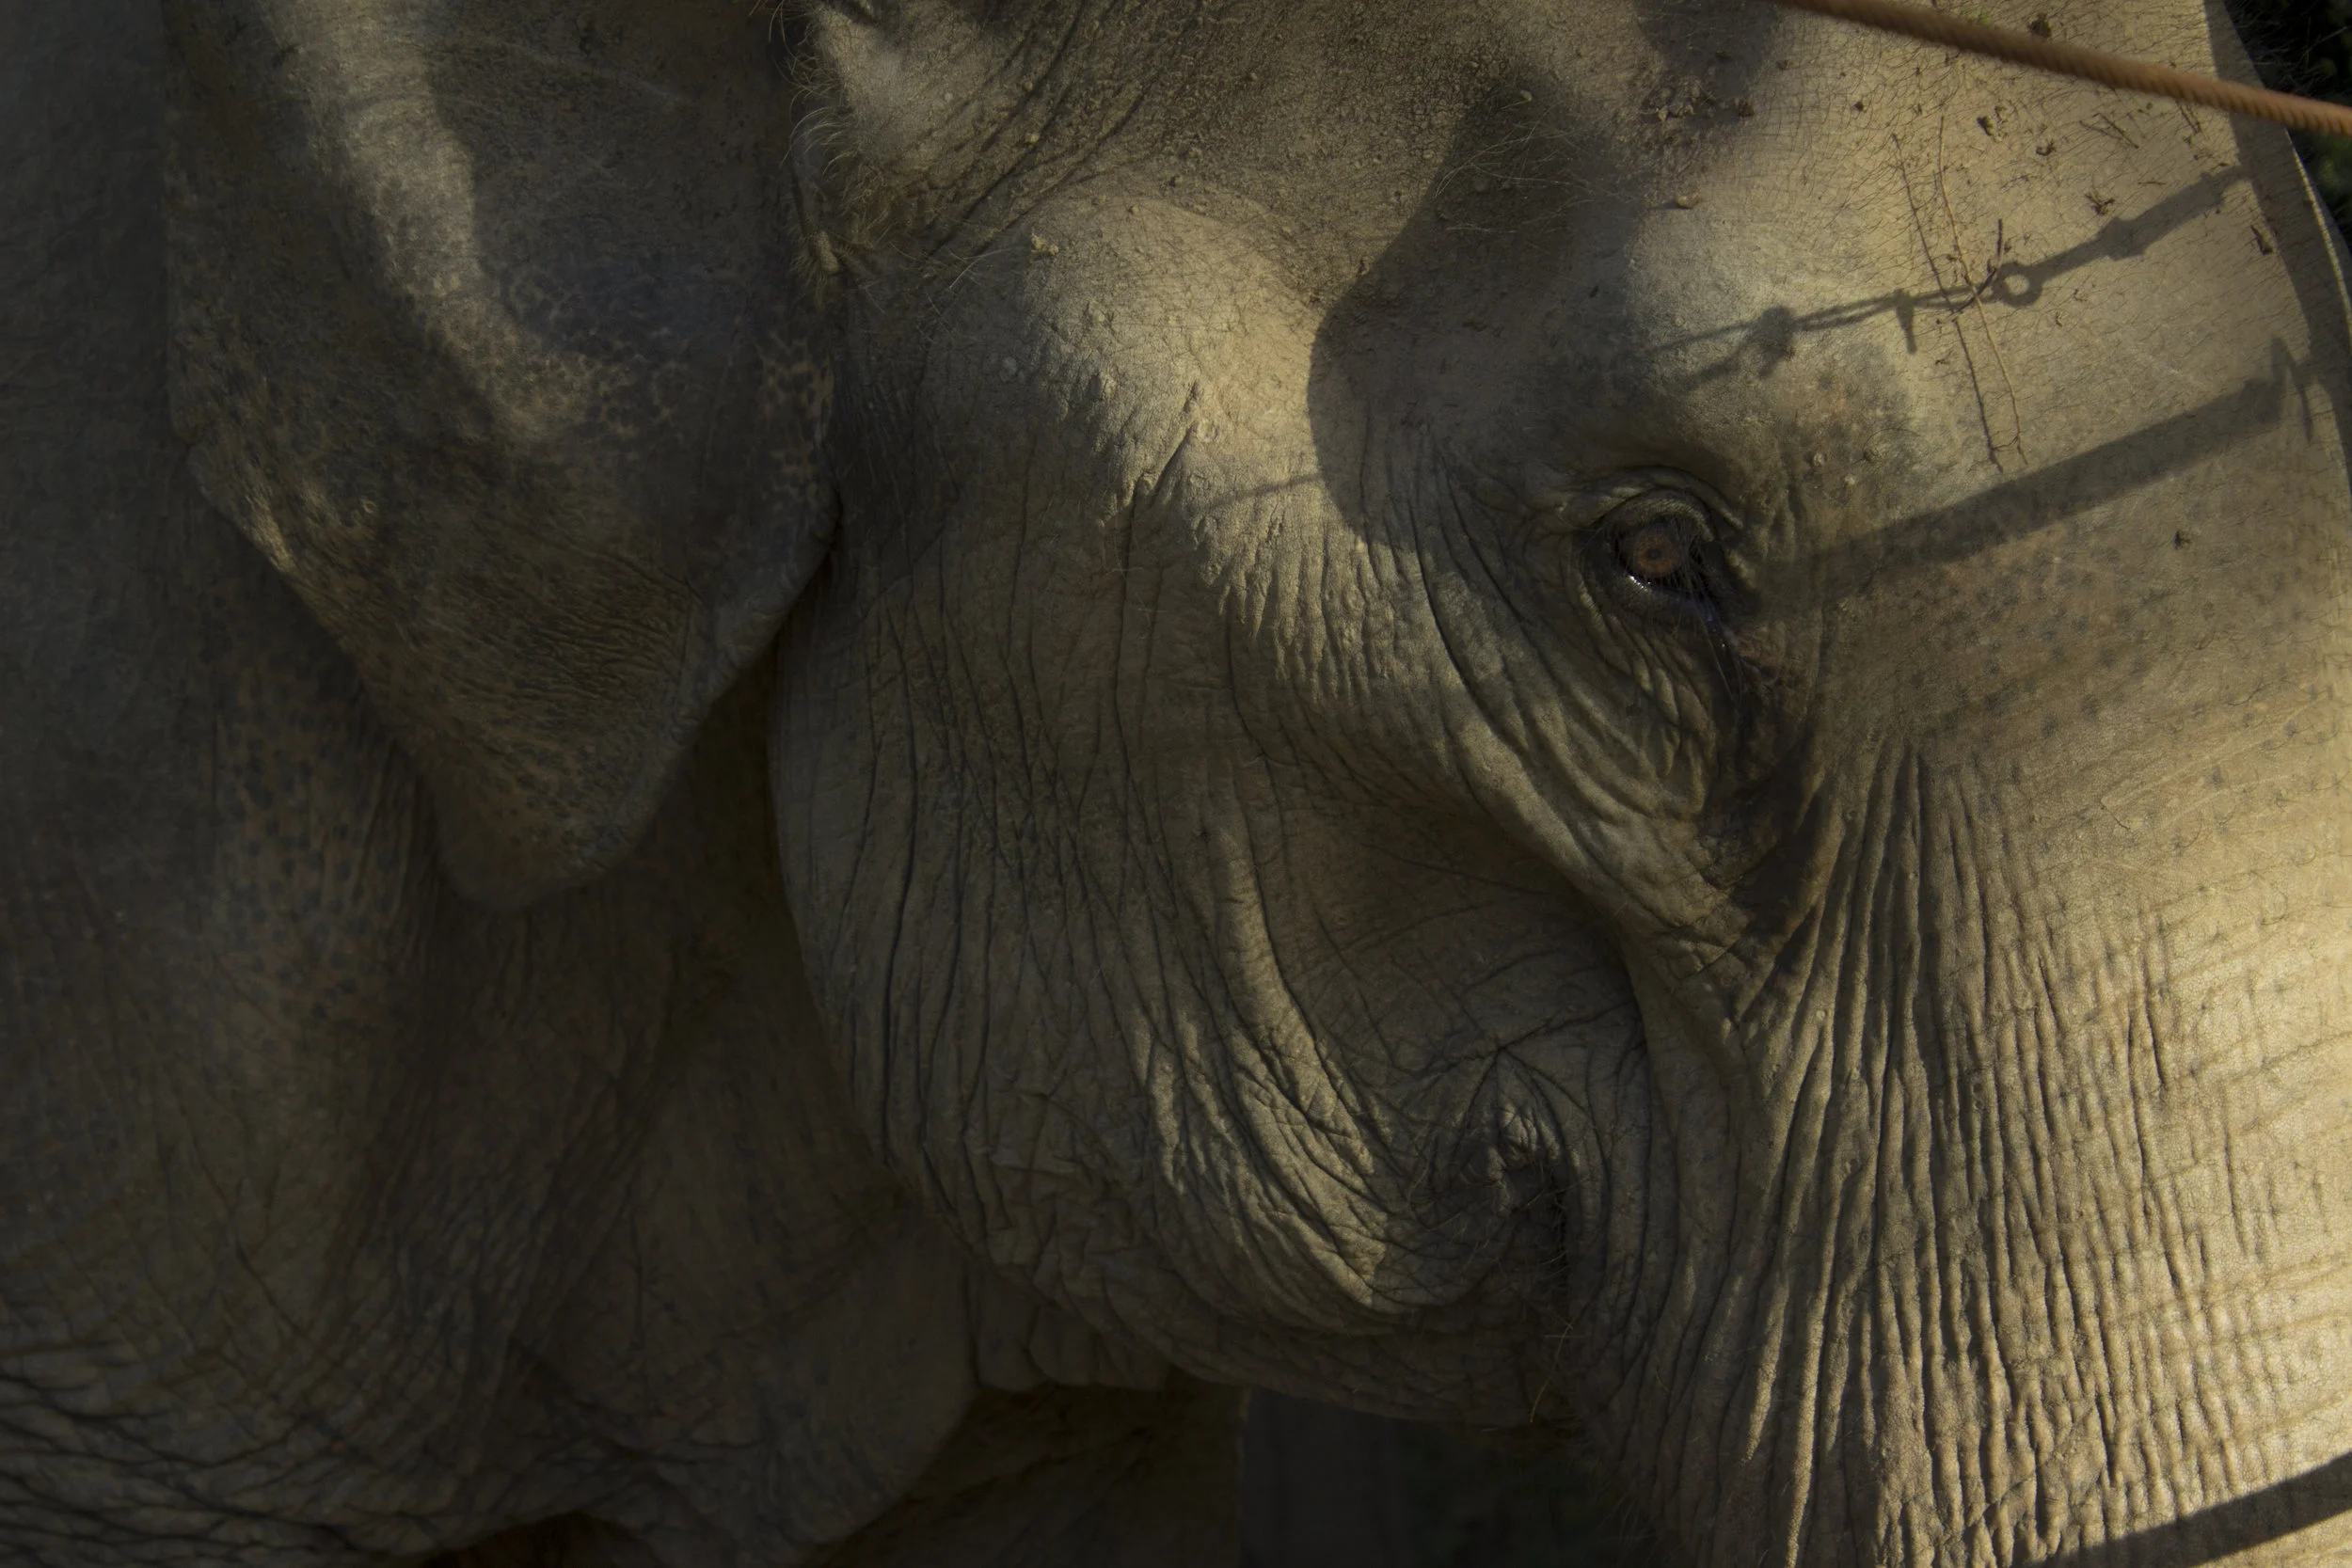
<point x="1657" y="540"/>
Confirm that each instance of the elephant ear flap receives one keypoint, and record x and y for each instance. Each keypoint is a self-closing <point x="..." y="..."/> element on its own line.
<point x="489" y="332"/>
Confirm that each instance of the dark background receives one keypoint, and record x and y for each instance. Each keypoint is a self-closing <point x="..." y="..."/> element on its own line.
<point x="2306" y="46"/>
<point x="1326" y="1489"/>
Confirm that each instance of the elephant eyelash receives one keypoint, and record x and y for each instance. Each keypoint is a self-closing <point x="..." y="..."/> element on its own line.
<point x="1650" y="539"/>
<point x="787" y="17"/>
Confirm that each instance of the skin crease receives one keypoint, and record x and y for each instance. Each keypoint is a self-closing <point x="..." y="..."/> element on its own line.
<point x="596" y="978"/>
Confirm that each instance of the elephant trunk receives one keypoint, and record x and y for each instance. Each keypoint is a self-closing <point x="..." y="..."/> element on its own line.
<point x="2012" y="1169"/>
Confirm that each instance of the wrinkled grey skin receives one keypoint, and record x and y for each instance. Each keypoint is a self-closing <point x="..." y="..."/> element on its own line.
<point x="763" y="781"/>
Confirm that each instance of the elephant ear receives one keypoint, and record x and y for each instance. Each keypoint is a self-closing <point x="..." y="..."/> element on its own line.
<point x="488" y="331"/>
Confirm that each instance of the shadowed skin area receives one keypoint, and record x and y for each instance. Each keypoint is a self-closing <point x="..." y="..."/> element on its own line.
<point x="771" y="780"/>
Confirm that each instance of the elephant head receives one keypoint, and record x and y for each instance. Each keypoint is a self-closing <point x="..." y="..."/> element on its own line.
<point x="1596" y="713"/>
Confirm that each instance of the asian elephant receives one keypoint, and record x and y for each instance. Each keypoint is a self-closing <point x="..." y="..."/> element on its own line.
<point x="772" y="778"/>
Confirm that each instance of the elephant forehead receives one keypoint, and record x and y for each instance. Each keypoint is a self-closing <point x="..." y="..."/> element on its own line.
<point x="1127" y="388"/>
<point x="1113" y="273"/>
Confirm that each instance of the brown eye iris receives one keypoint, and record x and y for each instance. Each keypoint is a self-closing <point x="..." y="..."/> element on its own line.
<point x="1658" y="542"/>
<point x="1656" y="552"/>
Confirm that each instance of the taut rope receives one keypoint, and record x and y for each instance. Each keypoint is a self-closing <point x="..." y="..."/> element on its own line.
<point x="2093" y="65"/>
